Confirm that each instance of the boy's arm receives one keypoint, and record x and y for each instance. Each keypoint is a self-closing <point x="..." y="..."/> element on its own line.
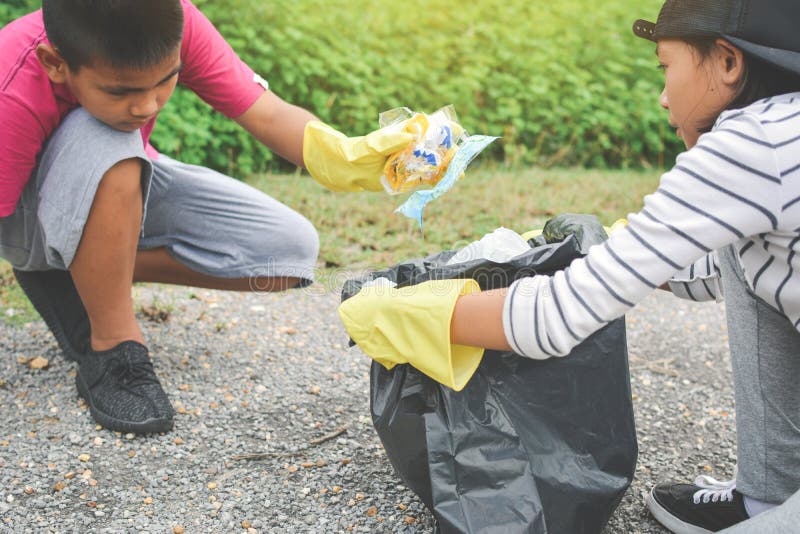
<point x="278" y="125"/>
<point x="337" y="162"/>
<point x="214" y="72"/>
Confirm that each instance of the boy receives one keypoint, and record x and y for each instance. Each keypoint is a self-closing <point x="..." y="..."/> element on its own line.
<point x="87" y="206"/>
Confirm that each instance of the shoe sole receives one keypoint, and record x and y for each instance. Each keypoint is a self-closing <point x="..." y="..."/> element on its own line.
<point x="40" y="303"/>
<point x="675" y="525"/>
<point x="149" y="426"/>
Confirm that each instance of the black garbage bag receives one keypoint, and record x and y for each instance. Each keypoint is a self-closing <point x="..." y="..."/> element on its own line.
<point x="534" y="446"/>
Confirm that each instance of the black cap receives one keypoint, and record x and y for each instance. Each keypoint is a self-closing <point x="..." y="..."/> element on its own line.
<point x="766" y="29"/>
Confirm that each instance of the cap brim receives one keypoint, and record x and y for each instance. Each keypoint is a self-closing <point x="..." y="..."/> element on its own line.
<point x="785" y="59"/>
<point x="644" y="29"/>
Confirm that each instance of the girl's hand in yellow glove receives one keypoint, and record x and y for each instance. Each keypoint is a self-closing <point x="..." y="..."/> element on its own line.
<point x="342" y="163"/>
<point x="412" y="325"/>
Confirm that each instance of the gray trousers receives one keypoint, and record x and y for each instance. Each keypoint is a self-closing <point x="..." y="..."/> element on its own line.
<point x="209" y="222"/>
<point x="785" y="519"/>
<point x="765" y="351"/>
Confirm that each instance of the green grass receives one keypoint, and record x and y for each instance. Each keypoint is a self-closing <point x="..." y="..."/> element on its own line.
<point x="360" y="231"/>
<point x="14" y="305"/>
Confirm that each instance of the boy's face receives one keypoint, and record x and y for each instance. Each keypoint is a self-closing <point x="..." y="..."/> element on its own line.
<point x="124" y="99"/>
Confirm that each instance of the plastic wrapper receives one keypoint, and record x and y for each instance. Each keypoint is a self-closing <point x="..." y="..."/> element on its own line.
<point x="437" y="158"/>
<point x="535" y="446"/>
<point x="423" y="162"/>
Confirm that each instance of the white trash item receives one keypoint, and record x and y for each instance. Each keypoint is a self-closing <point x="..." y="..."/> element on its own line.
<point x="380" y="282"/>
<point x="500" y="246"/>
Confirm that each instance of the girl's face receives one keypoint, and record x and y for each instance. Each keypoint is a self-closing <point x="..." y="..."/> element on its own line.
<point x="696" y="89"/>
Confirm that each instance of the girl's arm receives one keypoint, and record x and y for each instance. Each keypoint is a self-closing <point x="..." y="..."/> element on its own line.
<point x="719" y="193"/>
<point x="478" y="321"/>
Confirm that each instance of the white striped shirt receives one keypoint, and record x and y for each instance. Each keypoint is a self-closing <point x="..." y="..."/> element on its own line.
<point x="739" y="185"/>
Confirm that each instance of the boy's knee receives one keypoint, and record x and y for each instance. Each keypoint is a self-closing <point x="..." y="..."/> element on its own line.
<point x="303" y="240"/>
<point x="294" y="240"/>
<point x="85" y="144"/>
<point x="289" y="252"/>
<point x="122" y="182"/>
<point x="84" y="160"/>
<point x="309" y="241"/>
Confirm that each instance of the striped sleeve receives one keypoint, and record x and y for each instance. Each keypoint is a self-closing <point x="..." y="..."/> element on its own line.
<point x="699" y="282"/>
<point x="725" y="188"/>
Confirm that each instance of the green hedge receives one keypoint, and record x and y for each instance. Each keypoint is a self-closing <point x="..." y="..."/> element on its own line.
<point x="11" y="9"/>
<point x="564" y="83"/>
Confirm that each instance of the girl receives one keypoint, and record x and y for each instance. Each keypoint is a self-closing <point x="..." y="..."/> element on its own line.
<point x="725" y="219"/>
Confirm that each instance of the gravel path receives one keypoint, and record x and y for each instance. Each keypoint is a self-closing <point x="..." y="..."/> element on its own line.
<point x="267" y="374"/>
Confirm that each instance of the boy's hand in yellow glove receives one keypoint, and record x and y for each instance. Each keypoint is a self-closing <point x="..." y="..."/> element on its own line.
<point x="412" y="325"/>
<point x="342" y="163"/>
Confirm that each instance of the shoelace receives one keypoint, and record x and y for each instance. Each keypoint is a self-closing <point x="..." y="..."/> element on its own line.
<point x="133" y="374"/>
<point x="713" y="489"/>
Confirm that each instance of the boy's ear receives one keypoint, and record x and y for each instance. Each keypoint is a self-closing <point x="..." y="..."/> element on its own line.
<point x="52" y="62"/>
<point x="730" y="61"/>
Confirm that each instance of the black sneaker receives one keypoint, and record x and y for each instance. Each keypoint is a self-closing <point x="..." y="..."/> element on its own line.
<point x="122" y="390"/>
<point x="54" y="296"/>
<point x="708" y="505"/>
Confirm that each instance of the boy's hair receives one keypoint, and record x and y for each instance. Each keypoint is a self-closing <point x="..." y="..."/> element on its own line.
<point x="134" y="34"/>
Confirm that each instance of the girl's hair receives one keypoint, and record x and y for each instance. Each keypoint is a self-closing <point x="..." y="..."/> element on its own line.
<point x="759" y="80"/>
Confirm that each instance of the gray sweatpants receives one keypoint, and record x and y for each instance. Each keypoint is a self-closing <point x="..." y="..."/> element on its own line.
<point x="209" y="222"/>
<point x="784" y="519"/>
<point x="765" y="351"/>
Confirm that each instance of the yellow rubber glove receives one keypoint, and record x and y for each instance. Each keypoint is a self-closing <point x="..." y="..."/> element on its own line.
<point x="412" y="325"/>
<point x="619" y="224"/>
<point x="342" y="163"/>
